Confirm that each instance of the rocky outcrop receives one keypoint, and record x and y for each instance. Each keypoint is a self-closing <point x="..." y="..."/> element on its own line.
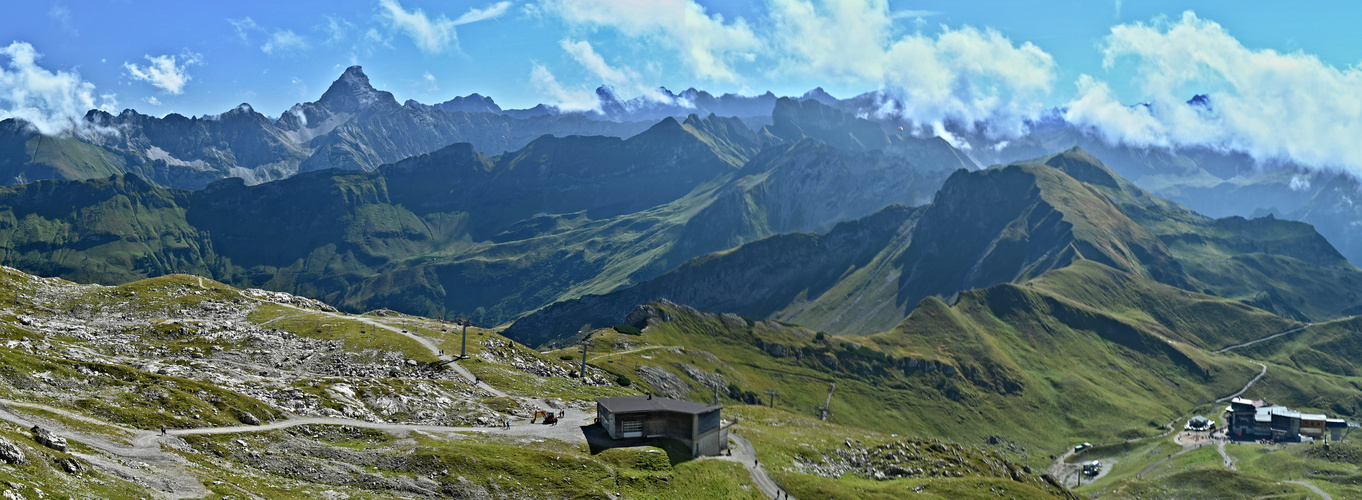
<point x="664" y="382"/>
<point x="10" y="452"/>
<point x="643" y="313"/>
<point x="47" y="438"/>
<point x="72" y="465"/>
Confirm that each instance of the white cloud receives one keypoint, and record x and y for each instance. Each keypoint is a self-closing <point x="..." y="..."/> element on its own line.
<point x="431" y="85"/>
<point x="491" y="12"/>
<point x="284" y="42"/>
<point x="912" y="14"/>
<point x="244" y="27"/>
<point x="584" y="54"/>
<point x="432" y="36"/>
<point x="622" y="78"/>
<point x="53" y="102"/>
<point x="967" y="77"/>
<point x="165" y="72"/>
<point x="153" y="101"/>
<point x="707" y="44"/>
<point x="108" y="102"/>
<point x="62" y="16"/>
<point x="580" y="99"/>
<point x="337" y="30"/>
<point x="1273" y="106"/>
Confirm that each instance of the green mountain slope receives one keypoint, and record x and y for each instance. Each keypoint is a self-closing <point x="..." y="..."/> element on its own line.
<point x="1019" y="361"/>
<point x="1273" y="264"/>
<point x="1005" y="224"/>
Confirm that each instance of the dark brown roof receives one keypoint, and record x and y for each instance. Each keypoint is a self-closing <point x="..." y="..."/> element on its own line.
<point x="636" y="404"/>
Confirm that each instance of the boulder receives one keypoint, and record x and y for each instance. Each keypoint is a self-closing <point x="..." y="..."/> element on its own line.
<point x="10" y="452"/>
<point x="48" y="439"/>
<point x="248" y="418"/>
<point x="72" y="465"/>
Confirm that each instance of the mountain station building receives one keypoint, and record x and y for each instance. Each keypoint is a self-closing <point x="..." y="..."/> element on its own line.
<point x="1259" y="420"/>
<point x="698" y="425"/>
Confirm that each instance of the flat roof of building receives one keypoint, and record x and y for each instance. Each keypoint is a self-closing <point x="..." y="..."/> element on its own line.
<point x="639" y="404"/>
<point x="1266" y="414"/>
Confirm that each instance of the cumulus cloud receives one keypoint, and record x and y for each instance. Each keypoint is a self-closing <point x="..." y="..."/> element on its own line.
<point x="1273" y="106"/>
<point x="964" y="77"/>
<point x="153" y="101"/>
<point x="165" y="72"/>
<point x="284" y="42"/>
<point x="435" y="35"/>
<point x="52" y="102"/>
<point x="576" y="99"/>
<point x="706" y="44"/>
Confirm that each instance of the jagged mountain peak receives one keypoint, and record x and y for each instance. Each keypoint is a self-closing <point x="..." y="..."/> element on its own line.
<point x="352" y="92"/>
<point x="820" y="95"/>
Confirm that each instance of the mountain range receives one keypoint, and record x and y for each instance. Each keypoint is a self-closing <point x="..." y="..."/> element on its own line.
<point x="355" y="126"/>
<point x="494" y="237"/>
<point x="1007" y="224"/>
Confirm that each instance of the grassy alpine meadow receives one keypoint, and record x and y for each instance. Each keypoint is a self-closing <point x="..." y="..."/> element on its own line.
<point x="355" y="332"/>
<point x="791" y="446"/>
<point x="1059" y="371"/>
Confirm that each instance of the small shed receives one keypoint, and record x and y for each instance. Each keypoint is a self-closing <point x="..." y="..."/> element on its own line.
<point x="698" y="425"/>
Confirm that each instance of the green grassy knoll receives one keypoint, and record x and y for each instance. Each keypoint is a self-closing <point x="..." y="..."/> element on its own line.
<point x="1333" y="348"/>
<point x="1262" y="471"/>
<point x="791" y="447"/>
<point x="462" y="465"/>
<point x="1204" y="321"/>
<point x="357" y="335"/>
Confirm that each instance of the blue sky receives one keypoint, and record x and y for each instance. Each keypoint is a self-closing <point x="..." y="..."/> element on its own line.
<point x="1283" y="77"/>
<point x="231" y="58"/>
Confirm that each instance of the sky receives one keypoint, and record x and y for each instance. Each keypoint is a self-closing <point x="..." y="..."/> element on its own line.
<point x="1287" y="69"/>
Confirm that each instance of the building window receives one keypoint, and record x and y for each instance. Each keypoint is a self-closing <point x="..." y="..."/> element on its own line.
<point x="631" y="428"/>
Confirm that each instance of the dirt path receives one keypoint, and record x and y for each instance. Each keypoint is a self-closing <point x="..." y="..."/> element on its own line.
<point x="1246" y="386"/>
<point x="1058" y="468"/>
<point x="1313" y="488"/>
<point x="639" y="349"/>
<point x="1229" y="461"/>
<point x="143" y="462"/>
<point x="167" y="474"/>
<point x="746" y="455"/>
<point x="1264" y="339"/>
<point x="1163" y="460"/>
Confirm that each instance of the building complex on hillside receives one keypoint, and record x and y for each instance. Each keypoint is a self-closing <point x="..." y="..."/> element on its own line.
<point x="1259" y="420"/>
